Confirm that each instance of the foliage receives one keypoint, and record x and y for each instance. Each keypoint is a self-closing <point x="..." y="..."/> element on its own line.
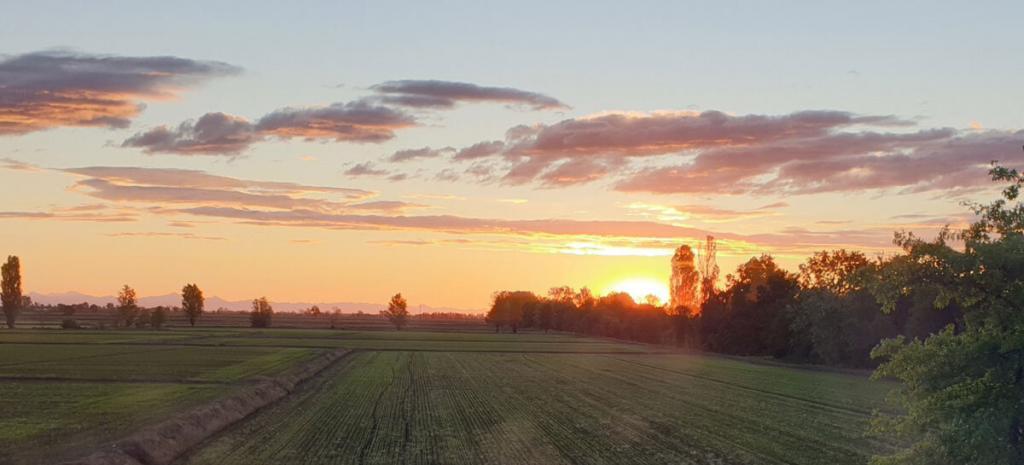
<point x="684" y="285"/>
<point x="127" y="306"/>
<point x="962" y="388"/>
<point x="10" y="289"/>
<point x="750" y="317"/>
<point x="158" y="317"/>
<point x="397" y="312"/>
<point x="261" y="313"/>
<point x="192" y="302"/>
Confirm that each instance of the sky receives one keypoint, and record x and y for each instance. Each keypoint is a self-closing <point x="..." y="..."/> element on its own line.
<point x="345" y="151"/>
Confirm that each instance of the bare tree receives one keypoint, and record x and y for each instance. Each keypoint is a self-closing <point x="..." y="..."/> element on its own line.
<point x="11" y="289"/>
<point x="397" y="312"/>
<point x="707" y="266"/>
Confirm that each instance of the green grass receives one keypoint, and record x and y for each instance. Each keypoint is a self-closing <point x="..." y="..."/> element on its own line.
<point x="144" y="362"/>
<point x="432" y="407"/>
<point x="43" y="422"/>
<point x="432" y="397"/>
<point x="506" y="343"/>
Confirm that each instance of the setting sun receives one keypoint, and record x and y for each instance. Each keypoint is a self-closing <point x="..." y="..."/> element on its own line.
<point x="640" y="288"/>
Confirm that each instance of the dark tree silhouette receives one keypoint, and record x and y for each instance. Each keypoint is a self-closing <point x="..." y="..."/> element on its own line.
<point x="262" y="313"/>
<point x="192" y="302"/>
<point x="127" y="306"/>
<point x="11" y="289"/>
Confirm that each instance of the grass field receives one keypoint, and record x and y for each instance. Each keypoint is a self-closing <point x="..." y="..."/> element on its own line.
<point x="432" y="397"/>
<point x="428" y="407"/>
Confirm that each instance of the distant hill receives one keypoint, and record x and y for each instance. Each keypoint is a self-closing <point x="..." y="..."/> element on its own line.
<point x="213" y="303"/>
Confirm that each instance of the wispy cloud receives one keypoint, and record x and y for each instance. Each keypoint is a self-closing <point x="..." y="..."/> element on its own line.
<point x="414" y="154"/>
<point x="447" y="94"/>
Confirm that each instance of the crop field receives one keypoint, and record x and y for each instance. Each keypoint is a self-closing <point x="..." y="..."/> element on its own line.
<point x="63" y="392"/>
<point x="431" y="407"/>
<point x="431" y="397"/>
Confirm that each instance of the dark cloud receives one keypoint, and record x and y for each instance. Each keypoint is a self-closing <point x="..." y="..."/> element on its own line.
<point x="358" y="121"/>
<point x="446" y="94"/>
<point x="212" y="133"/>
<point x="223" y="134"/>
<point x="51" y="89"/>
<point x="717" y="153"/>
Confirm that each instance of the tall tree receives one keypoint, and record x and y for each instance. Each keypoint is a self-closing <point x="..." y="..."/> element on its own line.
<point x="962" y="389"/>
<point x="685" y="283"/>
<point x="707" y="267"/>
<point x="11" y="289"/>
<point x="397" y="312"/>
<point x="127" y="306"/>
<point x="833" y="271"/>
<point x="192" y="302"/>
<point x="261" y="313"/>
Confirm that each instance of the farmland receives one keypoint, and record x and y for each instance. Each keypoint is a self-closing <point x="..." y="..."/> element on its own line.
<point x="427" y="407"/>
<point x="470" y="396"/>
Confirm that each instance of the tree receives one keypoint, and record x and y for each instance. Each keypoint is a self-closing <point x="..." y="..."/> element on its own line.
<point x="962" y="390"/>
<point x="684" y="285"/>
<point x="192" y="302"/>
<point x="313" y="311"/>
<point x="335" y="315"/>
<point x="509" y="308"/>
<point x="397" y="312"/>
<point x="707" y="267"/>
<point x="261" y="313"/>
<point x="833" y="271"/>
<point x="10" y="294"/>
<point x="158" y="317"/>
<point x="127" y="306"/>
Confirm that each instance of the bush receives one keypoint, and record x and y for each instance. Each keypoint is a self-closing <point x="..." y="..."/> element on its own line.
<point x="69" y="323"/>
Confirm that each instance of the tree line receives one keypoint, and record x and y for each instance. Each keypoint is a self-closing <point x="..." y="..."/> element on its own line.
<point x="943" y="317"/>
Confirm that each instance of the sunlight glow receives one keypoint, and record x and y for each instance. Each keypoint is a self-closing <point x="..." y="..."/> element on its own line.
<point x="640" y="288"/>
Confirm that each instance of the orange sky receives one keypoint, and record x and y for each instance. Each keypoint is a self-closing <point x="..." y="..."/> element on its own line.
<point x="334" y="161"/>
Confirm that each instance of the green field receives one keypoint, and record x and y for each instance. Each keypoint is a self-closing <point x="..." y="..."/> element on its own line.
<point x="431" y="397"/>
<point x="428" y="407"/>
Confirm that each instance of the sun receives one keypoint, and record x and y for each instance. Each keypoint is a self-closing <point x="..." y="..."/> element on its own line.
<point x="640" y="288"/>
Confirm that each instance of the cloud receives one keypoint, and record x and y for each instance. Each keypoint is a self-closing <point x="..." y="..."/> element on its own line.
<point x="18" y="165"/>
<point x="447" y="94"/>
<point x="119" y="216"/>
<point x="223" y="134"/>
<point x="50" y="89"/>
<point x="703" y="213"/>
<point x="413" y="154"/>
<point x="717" y="153"/>
<point x="212" y="133"/>
<point x="480" y="150"/>
<point x="358" y="121"/>
<point x="167" y="234"/>
<point x="365" y="169"/>
<point x="187" y="197"/>
<point x="171" y="177"/>
<point x="926" y="160"/>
